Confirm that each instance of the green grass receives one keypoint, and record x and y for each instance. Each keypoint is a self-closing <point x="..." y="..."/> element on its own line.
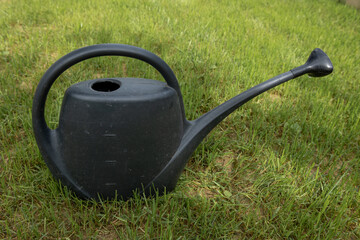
<point x="284" y="166"/>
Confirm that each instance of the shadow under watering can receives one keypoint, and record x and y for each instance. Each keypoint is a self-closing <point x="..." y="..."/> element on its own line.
<point x="120" y="135"/>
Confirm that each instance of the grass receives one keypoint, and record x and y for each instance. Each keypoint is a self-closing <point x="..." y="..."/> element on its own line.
<point x="284" y="166"/>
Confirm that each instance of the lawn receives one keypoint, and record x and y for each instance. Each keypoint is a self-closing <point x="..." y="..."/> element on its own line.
<point x="286" y="165"/>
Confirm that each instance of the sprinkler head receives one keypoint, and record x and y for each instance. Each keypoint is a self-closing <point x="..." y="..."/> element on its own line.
<point x="317" y="65"/>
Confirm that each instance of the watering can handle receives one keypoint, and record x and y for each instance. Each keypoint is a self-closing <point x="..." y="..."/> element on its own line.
<point x="82" y="54"/>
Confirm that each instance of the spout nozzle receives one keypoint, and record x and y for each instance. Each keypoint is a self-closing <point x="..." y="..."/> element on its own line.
<point x="317" y="65"/>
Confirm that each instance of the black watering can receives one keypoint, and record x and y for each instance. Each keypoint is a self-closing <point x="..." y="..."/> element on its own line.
<point x="120" y="135"/>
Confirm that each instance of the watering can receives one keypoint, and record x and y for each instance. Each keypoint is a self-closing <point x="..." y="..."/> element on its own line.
<point x="117" y="136"/>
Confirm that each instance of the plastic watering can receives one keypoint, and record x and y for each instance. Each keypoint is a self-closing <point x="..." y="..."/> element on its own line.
<point x="120" y="135"/>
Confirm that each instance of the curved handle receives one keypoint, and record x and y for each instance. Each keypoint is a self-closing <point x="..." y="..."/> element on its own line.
<point x="42" y="90"/>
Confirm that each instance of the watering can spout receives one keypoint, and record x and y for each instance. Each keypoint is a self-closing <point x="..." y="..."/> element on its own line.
<point x="317" y="65"/>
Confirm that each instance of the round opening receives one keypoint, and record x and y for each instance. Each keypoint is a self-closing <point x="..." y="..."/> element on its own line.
<point x="105" y="86"/>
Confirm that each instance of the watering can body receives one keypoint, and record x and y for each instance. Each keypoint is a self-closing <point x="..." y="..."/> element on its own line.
<point x="117" y="136"/>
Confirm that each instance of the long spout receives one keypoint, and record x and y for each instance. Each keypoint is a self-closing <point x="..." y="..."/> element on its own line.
<point x="317" y="65"/>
